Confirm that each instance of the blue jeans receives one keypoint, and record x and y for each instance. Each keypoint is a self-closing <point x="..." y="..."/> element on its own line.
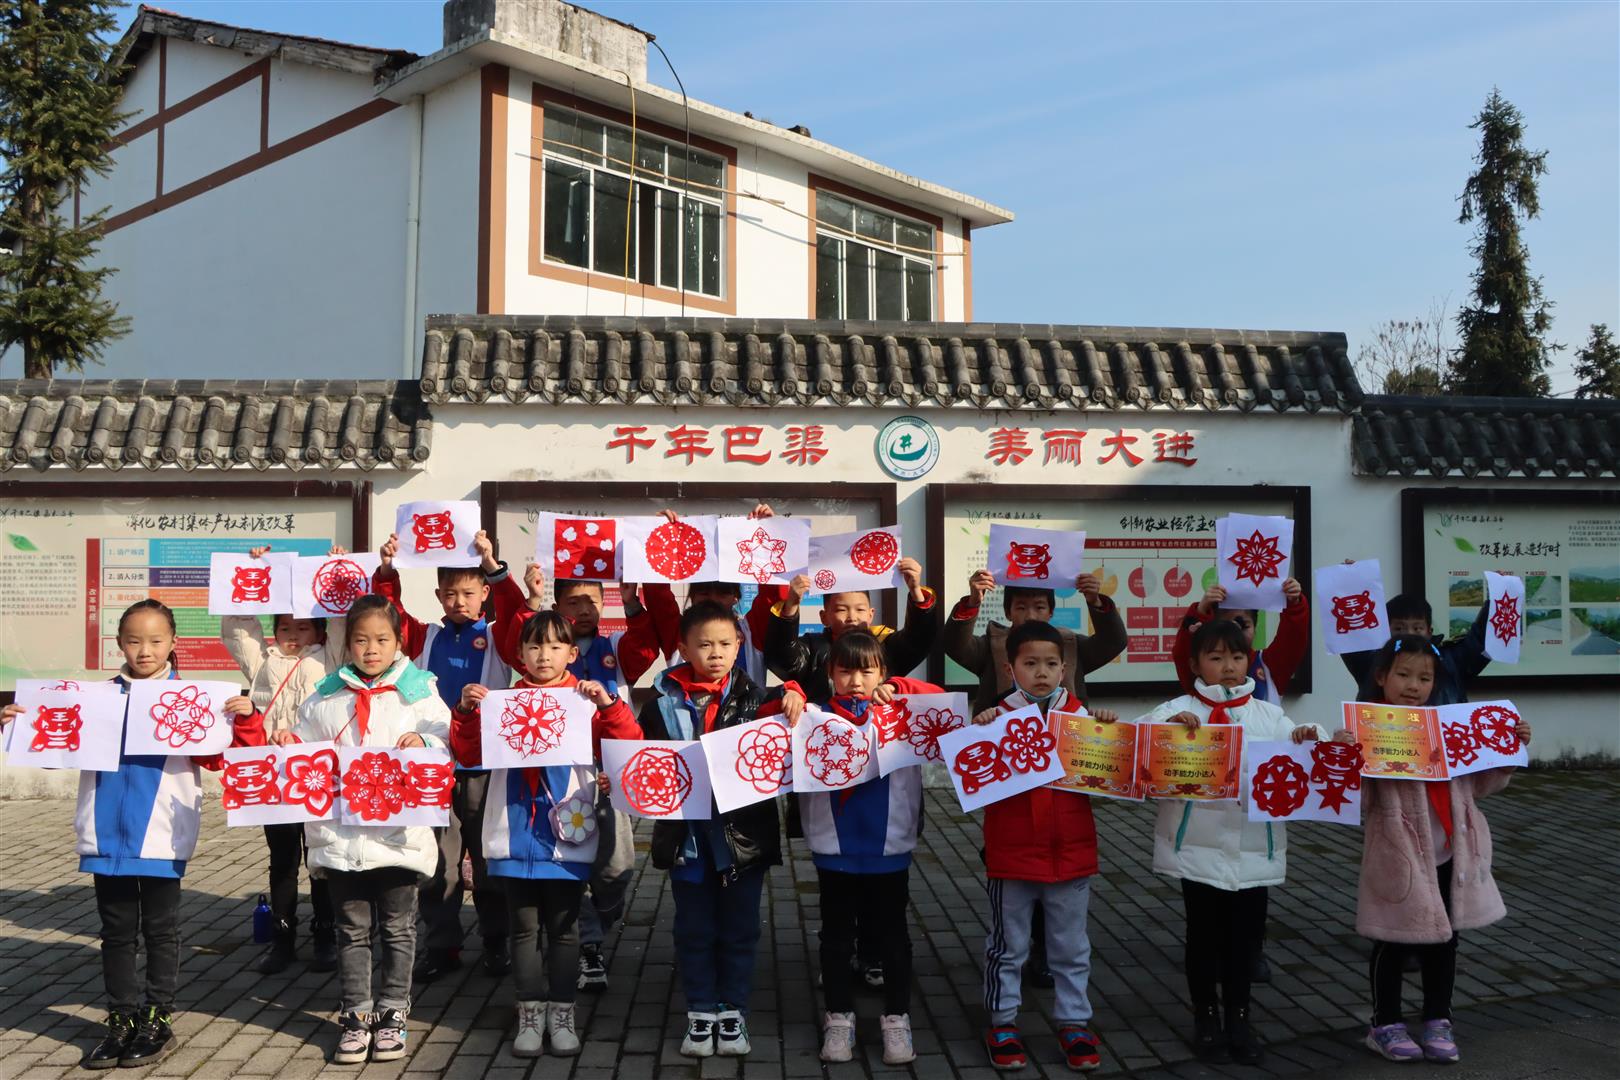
<point x="716" y="931"/>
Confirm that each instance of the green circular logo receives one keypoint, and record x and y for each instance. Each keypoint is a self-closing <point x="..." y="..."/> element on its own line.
<point x="907" y="447"/>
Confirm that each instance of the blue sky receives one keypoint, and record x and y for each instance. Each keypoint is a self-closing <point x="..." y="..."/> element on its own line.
<point x="1265" y="165"/>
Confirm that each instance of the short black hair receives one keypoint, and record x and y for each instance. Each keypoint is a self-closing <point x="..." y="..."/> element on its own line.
<point x="1030" y="632"/>
<point x="707" y="612"/>
<point x="452" y="575"/>
<point x="855" y="650"/>
<point x="1218" y="633"/>
<point x="1014" y="592"/>
<point x="1410" y="606"/>
<point x="564" y="586"/>
<point x="734" y="587"/>
<point x="320" y="624"/>
<point x="1405" y="645"/>
<point x="545" y="626"/>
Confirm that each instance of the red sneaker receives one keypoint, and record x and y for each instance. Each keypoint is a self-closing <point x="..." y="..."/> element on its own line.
<point x="1005" y="1047"/>
<point x="1080" y="1047"/>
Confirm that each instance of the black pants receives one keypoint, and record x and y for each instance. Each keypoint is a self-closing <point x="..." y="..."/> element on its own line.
<point x="441" y="895"/>
<point x="872" y="906"/>
<point x="550" y="905"/>
<point x="286" y="843"/>
<point x="146" y="908"/>
<point x="1222" y="934"/>
<point x="1438" y="963"/>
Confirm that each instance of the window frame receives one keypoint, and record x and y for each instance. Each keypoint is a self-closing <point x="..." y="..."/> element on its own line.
<point x="818" y="185"/>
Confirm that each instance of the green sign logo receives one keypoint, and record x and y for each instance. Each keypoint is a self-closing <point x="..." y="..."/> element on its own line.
<point x="907" y="447"/>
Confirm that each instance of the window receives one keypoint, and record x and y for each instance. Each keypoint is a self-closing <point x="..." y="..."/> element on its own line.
<point x="871" y="264"/>
<point x="603" y="214"/>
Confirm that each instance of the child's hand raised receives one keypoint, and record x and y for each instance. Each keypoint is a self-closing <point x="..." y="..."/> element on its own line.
<point x="258" y="552"/>
<point x="1304" y="733"/>
<point x="238" y="706"/>
<point x="596" y="692"/>
<point x="1187" y="720"/>
<point x="1293" y="591"/>
<point x="10" y="713"/>
<point x="630" y="597"/>
<point x="1214" y="597"/>
<point x="1090" y="586"/>
<point x="1105" y="716"/>
<point x="883" y="693"/>
<point x="389" y="549"/>
<point x="987" y="715"/>
<point x="471" y="695"/>
<point x="485" y="547"/>
<point x="979" y="586"/>
<point x="603" y="784"/>
<point x="284" y="738"/>
<point x="762" y="510"/>
<point x="1524" y="731"/>
<point x="534" y="579"/>
<point x="669" y="515"/>
<point x="338" y="549"/>
<point x="795" y="594"/>
<point x="793" y="704"/>
<point x="911" y="573"/>
<point x="410" y="741"/>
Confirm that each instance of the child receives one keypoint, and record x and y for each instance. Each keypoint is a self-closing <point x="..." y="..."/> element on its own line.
<point x="986" y="654"/>
<point x="716" y="866"/>
<point x="861" y="841"/>
<point x="379" y="698"/>
<point x="1420" y="885"/>
<point x="459" y="650"/>
<point x="804" y="658"/>
<point x="1040" y="847"/>
<point x="281" y="674"/>
<point x="1225" y="862"/>
<point x="1459" y="661"/>
<point x="544" y="875"/>
<point x="137" y="827"/>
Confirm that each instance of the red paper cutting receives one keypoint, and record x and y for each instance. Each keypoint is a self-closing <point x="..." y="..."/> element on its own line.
<point x="1462" y="748"/>
<point x="182" y="716"/>
<point x="312" y="780"/>
<point x="251" y="782"/>
<point x="532" y="722"/>
<point x="928" y="727"/>
<point x="980" y="764"/>
<point x="338" y="584"/>
<point x="56" y="728"/>
<point x="656" y="780"/>
<point x="1354" y="612"/>
<point x="1030" y="561"/>
<point x="434" y="531"/>
<point x="762" y="556"/>
<point x="429" y="783"/>
<point x="1280" y="786"/>
<point x="250" y="585"/>
<point x="1505" y="618"/>
<point x="1256" y="558"/>
<point x="676" y="550"/>
<point x="374" y="787"/>
<point x="765" y="757"/>
<point x="875" y="553"/>
<point x="892" y="721"/>
<point x="835" y="753"/>
<point x="1336" y="768"/>
<point x="65" y="684"/>
<point x="825" y="579"/>
<point x="1496" y="728"/>
<point x="1028" y="745"/>
<point x="584" y="548"/>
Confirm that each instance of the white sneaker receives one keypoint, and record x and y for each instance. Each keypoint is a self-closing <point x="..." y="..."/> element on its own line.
<point x="530" y="1041"/>
<point x="699" y="1041"/>
<point x="560" y="1028"/>
<point x="838" y="1037"/>
<point x="732" y="1040"/>
<point x="897" y="1048"/>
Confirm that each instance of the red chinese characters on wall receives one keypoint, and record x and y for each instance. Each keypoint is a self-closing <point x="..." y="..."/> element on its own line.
<point x="1116" y="448"/>
<point x="739" y="444"/>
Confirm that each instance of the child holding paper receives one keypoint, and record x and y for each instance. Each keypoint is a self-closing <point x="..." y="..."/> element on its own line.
<point x="379" y="698"/>
<point x="1459" y="661"/>
<point x="1040" y="847"/>
<point x="861" y="841"/>
<point x="1224" y="861"/>
<point x="137" y="827"/>
<point x="460" y="649"/>
<point x="543" y="872"/>
<point x="716" y="866"/>
<point x="282" y="673"/>
<point x="1421" y="885"/>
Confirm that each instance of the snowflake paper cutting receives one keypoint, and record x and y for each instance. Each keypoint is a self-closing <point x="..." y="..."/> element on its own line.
<point x="762" y="555"/>
<point x="928" y="727"/>
<point x="676" y="550"/>
<point x="765" y="757"/>
<point x="835" y="753"/>
<point x="1256" y="558"/>
<point x="655" y="781"/>
<point x="1028" y="745"/>
<point x="532" y="722"/>
<point x="338" y="584"/>
<point x="374" y="787"/>
<point x="1505" y="619"/>
<point x="1280" y="786"/>
<point x="182" y="716"/>
<point x="875" y="553"/>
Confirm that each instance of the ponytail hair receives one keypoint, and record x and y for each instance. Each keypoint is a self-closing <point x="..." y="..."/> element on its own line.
<point x="162" y="609"/>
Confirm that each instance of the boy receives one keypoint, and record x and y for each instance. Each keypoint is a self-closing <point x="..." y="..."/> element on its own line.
<point x="459" y="651"/>
<point x="1460" y="660"/>
<point x="1040" y="846"/>
<point x="1271" y="668"/>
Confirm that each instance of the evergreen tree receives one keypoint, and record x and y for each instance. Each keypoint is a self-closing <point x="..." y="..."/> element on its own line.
<point x="1597" y="365"/>
<point x="58" y="114"/>
<point x="1502" y="351"/>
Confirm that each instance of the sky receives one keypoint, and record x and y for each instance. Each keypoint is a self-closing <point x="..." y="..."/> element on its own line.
<point x="1256" y="166"/>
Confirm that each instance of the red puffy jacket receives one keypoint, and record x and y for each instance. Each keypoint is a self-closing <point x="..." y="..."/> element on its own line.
<point x="1042" y="835"/>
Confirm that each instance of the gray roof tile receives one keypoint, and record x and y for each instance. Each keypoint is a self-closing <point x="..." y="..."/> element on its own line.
<point x="1500" y="437"/>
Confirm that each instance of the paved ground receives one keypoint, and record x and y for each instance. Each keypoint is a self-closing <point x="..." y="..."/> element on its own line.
<point x="1538" y="994"/>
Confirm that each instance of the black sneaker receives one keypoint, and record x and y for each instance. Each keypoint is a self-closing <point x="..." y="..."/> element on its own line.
<point x="435" y="962"/>
<point x="497" y="957"/>
<point x="592" y="969"/>
<point x="323" y="947"/>
<point x="154" y="1040"/>
<point x="107" y="1052"/>
<point x="279" y="956"/>
<point x="1240" y="1037"/>
<point x="1209" y="1036"/>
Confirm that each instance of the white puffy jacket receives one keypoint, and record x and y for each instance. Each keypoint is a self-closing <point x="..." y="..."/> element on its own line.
<point x="1214" y="842"/>
<point x="278" y="683"/>
<point x="328" y="715"/>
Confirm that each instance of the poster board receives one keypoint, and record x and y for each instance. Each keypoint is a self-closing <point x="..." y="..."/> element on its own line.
<point x="511" y="510"/>
<point x="1565" y="545"/>
<point x="78" y="554"/>
<point x="1153" y="546"/>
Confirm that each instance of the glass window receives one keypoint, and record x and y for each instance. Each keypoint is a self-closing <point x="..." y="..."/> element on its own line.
<point x="835" y="212"/>
<point x="857" y="283"/>
<point x="610" y="214"/>
<point x="567" y="212"/>
<point x="649" y="158"/>
<point x="918" y="238"/>
<point x="919" y="291"/>
<point x="669" y="244"/>
<point x="875" y="225"/>
<point x="871" y="264"/>
<point x="829" y="251"/>
<point x="891" y="286"/>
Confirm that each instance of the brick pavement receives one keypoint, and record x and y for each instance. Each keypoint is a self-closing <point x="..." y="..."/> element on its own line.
<point x="1552" y="961"/>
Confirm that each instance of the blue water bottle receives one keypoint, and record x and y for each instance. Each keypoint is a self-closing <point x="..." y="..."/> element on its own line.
<point x="263" y="923"/>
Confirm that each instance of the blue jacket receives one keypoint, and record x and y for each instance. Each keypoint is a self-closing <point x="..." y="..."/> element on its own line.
<point x="867" y="829"/>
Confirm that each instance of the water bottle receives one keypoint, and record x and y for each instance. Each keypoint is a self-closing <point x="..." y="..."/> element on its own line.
<point x="263" y="922"/>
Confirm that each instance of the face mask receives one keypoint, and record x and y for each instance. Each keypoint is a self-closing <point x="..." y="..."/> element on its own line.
<point x="1044" y="702"/>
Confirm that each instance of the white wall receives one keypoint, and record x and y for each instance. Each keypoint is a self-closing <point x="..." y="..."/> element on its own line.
<point x="447" y="253"/>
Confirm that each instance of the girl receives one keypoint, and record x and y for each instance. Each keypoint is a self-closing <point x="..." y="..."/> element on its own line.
<point x="1425" y="870"/>
<point x="137" y="827"/>
<point x="1225" y="862"/>
<point x="544" y="874"/>
<point x="379" y="698"/>
<point x="861" y="840"/>
<point x="282" y="674"/>
<point x="716" y="867"/>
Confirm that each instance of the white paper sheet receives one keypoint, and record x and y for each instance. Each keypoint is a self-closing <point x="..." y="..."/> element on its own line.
<point x="241" y="585"/>
<point x="1481" y="735"/>
<point x="653" y="549"/>
<point x="386" y="787"/>
<point x="1012" y="754"/>
<point x="848" y="562"/>
<point x="658" y="778"/>
<point x="326" y="586"/>
<point x="178" y="717"/>
<point x="568" y="547"/>
<point x="1253" y="553"/>
<point x="1504" y="621"/>
<point x="749" y="763"/>
<point x="1313" y="781"/>
<point x="766" y="551"/>
<point x="909" y="727"/>
<point x="1035" y="558"/>
<point x="531" y="727"/>
<point x="437" y="533"/>
<point x="66" y="729"/>
<point x="1350" y="607"/>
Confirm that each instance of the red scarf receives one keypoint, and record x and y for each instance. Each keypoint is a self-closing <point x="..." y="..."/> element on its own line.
<point x="362" y="708"/>
<point x="682" y="676"/>
<point x="1218" y="709"/>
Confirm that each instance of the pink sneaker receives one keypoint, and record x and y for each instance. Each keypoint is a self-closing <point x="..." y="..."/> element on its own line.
<point x="1438" y="1044"/>
<point x="1394" y="1042"/>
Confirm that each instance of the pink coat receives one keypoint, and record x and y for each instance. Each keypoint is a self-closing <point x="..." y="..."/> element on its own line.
<point x="1399" y="895"/>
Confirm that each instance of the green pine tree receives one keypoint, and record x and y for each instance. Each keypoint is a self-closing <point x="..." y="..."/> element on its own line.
<point x="1597" y="365"/>
<point x="58" y="114"/>
<point x="1503" y="351"/>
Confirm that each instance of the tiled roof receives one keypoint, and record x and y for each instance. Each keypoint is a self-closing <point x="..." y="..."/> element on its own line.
<point x="215" y="424"/>
<point x="151" y="22"/>
<point x="621" y="361"/>
<point x="1492" y="436"/>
